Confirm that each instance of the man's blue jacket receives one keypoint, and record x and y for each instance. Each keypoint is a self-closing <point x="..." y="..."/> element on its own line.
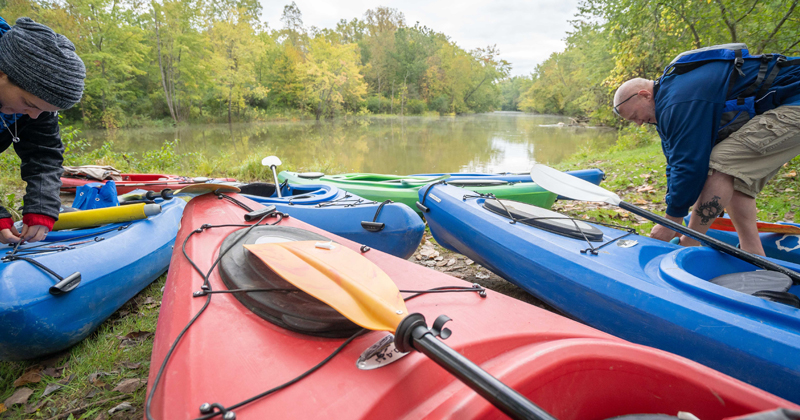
<point x="688" y="112"/>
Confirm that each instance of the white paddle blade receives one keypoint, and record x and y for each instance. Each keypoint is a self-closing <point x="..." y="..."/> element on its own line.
<point x="271" y="161"/>
<point x="570" y="186"/>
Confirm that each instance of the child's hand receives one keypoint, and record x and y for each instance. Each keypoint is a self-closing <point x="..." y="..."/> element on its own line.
<point x="34" y="233"/>
<point x="9" y="236"/>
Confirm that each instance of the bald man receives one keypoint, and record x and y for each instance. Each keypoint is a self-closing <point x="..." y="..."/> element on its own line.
<point x="707" y="168"/>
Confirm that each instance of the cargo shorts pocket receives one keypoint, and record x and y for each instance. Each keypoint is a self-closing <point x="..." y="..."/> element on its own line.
<point x="768" y="131"/>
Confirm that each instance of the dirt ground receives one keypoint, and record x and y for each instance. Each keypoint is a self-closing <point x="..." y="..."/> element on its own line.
<point x="433" y="256"/>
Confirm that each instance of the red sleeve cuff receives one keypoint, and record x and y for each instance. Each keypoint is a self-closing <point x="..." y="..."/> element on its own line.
<point x="33" y="219"/>
<point x="6" y="223"/>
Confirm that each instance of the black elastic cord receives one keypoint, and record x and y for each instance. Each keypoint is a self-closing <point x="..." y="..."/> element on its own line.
<point x="443" y="289"/>
<point x="381" y="208"/>
<point x="206" y="286"/>
<point x="427" y="190"/>
<point x="592" y="249"/>
<point x="233" y="200"/>
<point x="36" y="263"/>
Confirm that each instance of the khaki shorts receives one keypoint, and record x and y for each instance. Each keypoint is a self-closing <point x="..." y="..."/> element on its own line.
<point x="755" y="153"/>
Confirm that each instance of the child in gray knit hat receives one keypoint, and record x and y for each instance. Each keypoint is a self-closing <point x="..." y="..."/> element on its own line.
<point x="40" y="74"/>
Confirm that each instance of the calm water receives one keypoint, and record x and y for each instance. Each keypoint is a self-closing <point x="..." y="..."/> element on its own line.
<point x="501" y="141"/>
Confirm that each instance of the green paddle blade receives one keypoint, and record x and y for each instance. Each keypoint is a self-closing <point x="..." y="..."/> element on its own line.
<point x="570" y="186"/>
<point x="344" y="279"/>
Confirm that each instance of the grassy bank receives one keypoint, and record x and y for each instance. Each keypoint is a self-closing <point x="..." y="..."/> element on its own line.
<point x="109" y="369"/>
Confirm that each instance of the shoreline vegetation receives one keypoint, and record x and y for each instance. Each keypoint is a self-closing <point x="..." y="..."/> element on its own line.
<point x="109" y="369"/>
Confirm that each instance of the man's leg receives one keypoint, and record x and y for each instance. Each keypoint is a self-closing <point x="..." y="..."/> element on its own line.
<point x="740" y="167"/>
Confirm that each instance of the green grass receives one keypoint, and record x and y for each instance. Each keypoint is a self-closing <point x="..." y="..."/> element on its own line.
<point x="103" y="352"/>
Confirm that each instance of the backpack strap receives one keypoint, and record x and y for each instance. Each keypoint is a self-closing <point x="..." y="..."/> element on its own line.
<point x="772" y="75"/>
<point x="762" y="72"/>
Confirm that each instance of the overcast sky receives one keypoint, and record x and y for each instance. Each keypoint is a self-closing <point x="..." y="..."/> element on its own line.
<point x="525" y="32"/>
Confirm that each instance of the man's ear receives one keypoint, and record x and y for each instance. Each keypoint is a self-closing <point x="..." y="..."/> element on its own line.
<point x="645" y="94"/>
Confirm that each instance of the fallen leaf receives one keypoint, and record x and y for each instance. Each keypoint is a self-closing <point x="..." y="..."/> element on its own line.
<point x="439" y="258"/>
<point x="101" y="416"/>
<point x="441" y="263"/>
<point x="644" y="188"/>
<point x="19" y="397"/>
<point x="2" y="408"/>
<point x="128" y="386"/>
<point x="32" y="375"/>
<point x="482" y="276"/>
<point x="51" y="388"/>
<point x="425" y="252"/>
<point x="788" y="190"/>
<point x="130" y="365"/>
<point x="451" y="261"/>
<point x="126" y="406"/>
<point x="418" y="257"/>
<point x="469" y="262"/>
<point x="67" y="380"/>
<point x="34" y="408"/>
<point x="133" y="338"/>
<point x="645" y="176"/>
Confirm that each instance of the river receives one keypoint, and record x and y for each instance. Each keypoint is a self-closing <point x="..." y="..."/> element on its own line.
<point x="494" y="142"/>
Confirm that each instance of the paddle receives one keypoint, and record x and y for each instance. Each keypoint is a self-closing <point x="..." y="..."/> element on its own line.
<point x="725" y="224"/>
<point x="273" y="162"/>
<point x="578" y="189"/>
<point x="362" y="292"/>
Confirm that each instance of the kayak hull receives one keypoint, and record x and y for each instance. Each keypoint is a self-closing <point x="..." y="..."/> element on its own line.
<point x="653" y="293"/>
<point x="114" y="264"/>
<point x="341" y="213"/>
<point x="402" y="189"/>
<point x="152" y="182"/>
<point x="573" y="371"/>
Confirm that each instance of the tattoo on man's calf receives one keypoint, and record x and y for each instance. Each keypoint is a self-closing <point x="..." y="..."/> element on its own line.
<point x="709" y="210"/>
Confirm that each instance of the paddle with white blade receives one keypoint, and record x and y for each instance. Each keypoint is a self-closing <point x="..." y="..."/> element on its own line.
<point x="358" y="289"/>
<point x="578" y="189"/>
<point x="273" y="162"/>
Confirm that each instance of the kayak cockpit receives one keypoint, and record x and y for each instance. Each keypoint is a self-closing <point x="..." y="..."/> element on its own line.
<point x="293" y="194"/>
<point x="274" y="299"/>
<point x="724" y="280"/>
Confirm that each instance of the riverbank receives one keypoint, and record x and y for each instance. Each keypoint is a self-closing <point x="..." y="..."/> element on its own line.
<point x="108" y="371"/>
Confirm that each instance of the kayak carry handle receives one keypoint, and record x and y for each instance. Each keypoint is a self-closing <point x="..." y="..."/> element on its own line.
<point x="66" y="285"/>
<point x="423" y="208"/>
<point x="373" y="226"/>
<point x="260" y="213"/>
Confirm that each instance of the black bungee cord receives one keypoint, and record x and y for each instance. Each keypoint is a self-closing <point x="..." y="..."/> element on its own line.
<point x="215" y="409"/>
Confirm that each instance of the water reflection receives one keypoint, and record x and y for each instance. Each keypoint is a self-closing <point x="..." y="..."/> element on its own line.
<point x="501" y="141"/>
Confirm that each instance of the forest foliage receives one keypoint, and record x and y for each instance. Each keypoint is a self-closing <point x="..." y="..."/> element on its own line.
<point x="614" y="40"/>
<point x="174" y="61"/>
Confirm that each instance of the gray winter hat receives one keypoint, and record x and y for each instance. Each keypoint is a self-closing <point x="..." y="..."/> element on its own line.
<point x="42" y="63"/>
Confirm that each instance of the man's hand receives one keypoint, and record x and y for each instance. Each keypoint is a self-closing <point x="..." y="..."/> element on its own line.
<point x="34" y="233"/>
<point x="664" y="233"/>
<point x="9" y="236"/>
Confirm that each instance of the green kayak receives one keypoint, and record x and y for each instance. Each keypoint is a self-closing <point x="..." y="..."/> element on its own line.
<point x="403" y="189"/>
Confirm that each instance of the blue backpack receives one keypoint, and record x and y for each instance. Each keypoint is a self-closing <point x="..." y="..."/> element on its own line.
<point x="751" y="101"/>
<point x="96" y="195"/>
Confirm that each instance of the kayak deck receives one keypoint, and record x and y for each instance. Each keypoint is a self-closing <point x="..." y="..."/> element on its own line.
<point x="569" y="369"/>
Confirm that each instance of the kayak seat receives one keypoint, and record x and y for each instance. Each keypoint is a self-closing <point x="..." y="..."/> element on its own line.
<point x="287" y="307"/>
<point x="310" y="175"/>
<point x="544" y="219"/>
<point x="261" y="189"/>
<point x="769" y="285"/>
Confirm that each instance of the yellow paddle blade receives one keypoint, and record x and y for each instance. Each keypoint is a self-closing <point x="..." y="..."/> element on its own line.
<point x="103" y="216"/>
<point x="340" y="277"/>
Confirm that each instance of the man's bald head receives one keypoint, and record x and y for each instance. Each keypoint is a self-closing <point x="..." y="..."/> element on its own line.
<point x="635" y="102"/>
<point x="631" y="87"/>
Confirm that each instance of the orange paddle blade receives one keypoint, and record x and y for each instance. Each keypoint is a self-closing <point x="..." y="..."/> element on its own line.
<point x="340" y="277"/>
<point x="725" y="224"/>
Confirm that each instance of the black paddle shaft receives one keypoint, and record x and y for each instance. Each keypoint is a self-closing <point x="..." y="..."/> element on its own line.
<point x="509" y="401"/>
<point x="756" y="260"/>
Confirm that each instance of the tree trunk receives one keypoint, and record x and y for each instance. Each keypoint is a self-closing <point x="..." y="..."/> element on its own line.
<point x="167" y="95"/>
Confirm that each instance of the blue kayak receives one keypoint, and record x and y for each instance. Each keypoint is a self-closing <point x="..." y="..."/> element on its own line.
<point x="776" y="245"/>
<point x="695" y="302"/>
<point x="392" y="227"/>
<point x="115" y="263"/>
<point x="592" y="175"/>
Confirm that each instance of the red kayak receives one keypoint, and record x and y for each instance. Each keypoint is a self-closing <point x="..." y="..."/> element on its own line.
<point x="243" y="344"/>
<point x="152" y="182"/>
